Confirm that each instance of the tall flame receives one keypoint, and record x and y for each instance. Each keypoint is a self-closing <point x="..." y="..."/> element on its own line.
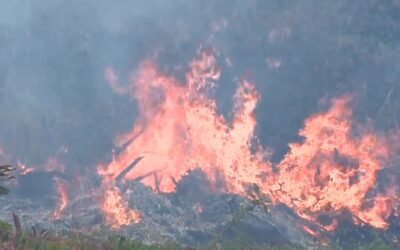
<point x="52" y="164"/>
<point x="333" y="170"/>
<point x="179" y="129"/>
<point x="63" y="198"/>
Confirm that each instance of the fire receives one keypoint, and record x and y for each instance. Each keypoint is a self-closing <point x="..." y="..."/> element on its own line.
<point x="179" y="129"/>
<point x="333" y="170"/>
<point x="115" y="209"/>
<point x="311" y="231"/>
<point x="23" y="168"/>
<point x="52" y="164"/>
<point x="63" y="198"/>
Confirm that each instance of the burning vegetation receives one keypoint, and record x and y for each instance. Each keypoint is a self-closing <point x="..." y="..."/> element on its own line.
<point x="333" y="170"/>
<point x="187" y="144"/>
<point x="179" y="129"/>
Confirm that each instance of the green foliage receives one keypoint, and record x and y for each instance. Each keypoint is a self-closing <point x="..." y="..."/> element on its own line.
<point x="86" y="242"/>
<point x="42" y="244"/>
<point x="5" y="174"/>
<point x="123" y="243"/>
<point x="4" y="226"/>
<point x="5" y="231"/>
<point x="234" y="245"/>
<point x="377" y="244"/>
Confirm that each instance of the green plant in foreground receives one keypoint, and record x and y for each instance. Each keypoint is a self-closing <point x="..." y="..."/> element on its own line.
<point x="112" y="242"/>
<point x="124" y="243"/>
<point x="5" y="231"/>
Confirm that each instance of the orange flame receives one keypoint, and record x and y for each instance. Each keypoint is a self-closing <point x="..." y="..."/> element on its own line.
<point x="115" y="209"/>
<point x="63" y="198"/>
<point x="332" y="170"/>
<point x="311" y="231"/>
<point x="52" y="164"/>
<point x="23" y="168"/>
<point x="179" y="129"/>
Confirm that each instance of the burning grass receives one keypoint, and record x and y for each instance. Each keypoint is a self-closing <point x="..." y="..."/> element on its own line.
<point x="179" y="129"/>
<point x="333" y="170"/>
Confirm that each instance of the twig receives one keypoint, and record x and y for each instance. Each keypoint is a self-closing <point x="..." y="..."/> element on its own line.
<point x="18" y="230"/>
<point x="396" y="123"/>
<point x="385" y="103"/>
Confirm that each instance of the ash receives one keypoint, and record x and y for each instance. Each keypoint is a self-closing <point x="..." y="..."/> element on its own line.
<point x="195" y="214"/>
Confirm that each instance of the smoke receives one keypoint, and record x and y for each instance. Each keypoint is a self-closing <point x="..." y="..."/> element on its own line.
<point x="55" y="101"/>
<point x="53" y="54"/>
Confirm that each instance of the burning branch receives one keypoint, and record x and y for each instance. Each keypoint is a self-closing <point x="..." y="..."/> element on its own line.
<point x="125" y="171"/>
